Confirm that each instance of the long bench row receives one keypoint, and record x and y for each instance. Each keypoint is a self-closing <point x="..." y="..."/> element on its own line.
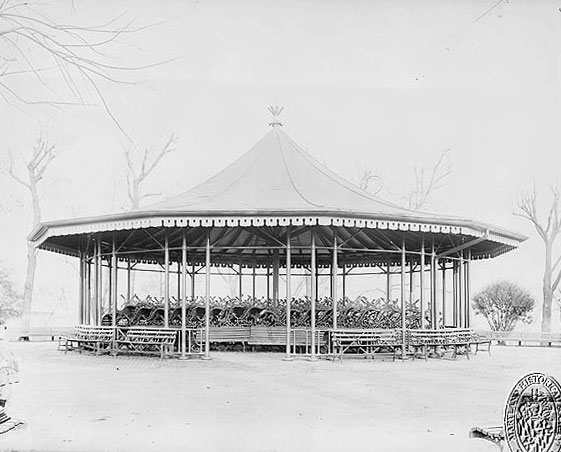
<point x="418" y="343"/>
<point x="164" y="341"/>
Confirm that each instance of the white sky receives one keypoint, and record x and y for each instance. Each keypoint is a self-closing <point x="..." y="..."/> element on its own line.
<point x="388" y="83"/>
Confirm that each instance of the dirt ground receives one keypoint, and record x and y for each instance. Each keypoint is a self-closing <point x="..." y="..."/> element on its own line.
<point x="258" y="402"/>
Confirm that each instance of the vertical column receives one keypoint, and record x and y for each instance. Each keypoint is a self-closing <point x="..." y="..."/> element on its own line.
<point x="110" y="284"/>
<point x="422" y="284"/>
<point x="388" y="280"/>
<point x="99" y="282"/>
<point x="403" y="299"/>
<point x="461" y="300"/>
<point x="88" y="295"/>
<point x="178" y="281"/>
<point x="129" y="286"/>
<point x="268" y="269"/>
<point x="82" y="306"/>
<point x="276" y="261"/>
<point x="467" y="285"/>
<point x="433" y="298"/>
<point x="288" y="293"/>
<point x="344" y="270"/>
<point x="334" y="266"/>
<point x="314" y="294"/>
<point x="193" y="275"/>
<point x="240" y="281"/>
<point x="455" y="293"/>
<point x="114" y="293"/>
<point x="253" y="275"/>
<point x="444" y="313"/>
<point x="166" y="282"/>
<point x="207" y="298"/>
<point x="184" y="295"/>
<point x="411" y="281"/>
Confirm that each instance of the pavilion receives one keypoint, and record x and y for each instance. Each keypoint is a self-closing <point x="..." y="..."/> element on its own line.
<point x="277" y="208"/>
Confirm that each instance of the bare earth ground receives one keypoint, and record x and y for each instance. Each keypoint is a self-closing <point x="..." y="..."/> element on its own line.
<point x="257" y="402"/>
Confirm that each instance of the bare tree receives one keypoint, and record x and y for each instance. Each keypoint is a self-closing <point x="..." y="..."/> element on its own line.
<point x="35" y="46"/>
<point x="428" y="180"/>
<point x="141" y="162"/>
<point x="368" y="180"/>
<point x="43" y="153"/>
<point x="548" y="231"/>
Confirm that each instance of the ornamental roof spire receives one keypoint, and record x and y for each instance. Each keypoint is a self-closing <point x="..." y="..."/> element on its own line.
<point x="275" y="111"/>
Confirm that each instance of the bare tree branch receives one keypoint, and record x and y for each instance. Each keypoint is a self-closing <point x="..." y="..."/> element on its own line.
<point x="137" y="173"/>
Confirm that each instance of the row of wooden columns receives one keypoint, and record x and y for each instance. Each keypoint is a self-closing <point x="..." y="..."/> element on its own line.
<point x="91" y="307"/>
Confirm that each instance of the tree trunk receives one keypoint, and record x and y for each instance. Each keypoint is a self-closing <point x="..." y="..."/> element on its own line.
<point x="28" y="291"/>
<point x="547" y="290"/>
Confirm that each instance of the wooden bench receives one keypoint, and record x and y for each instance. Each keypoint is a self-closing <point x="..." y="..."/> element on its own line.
<point x="531" y="418"/>
<point x="88" y="337"/>
<point x="225" y="335"/>
<point x="146" y="340"/>
<point x="457" y="340"/>
<point x="480" y="340"/>
<point x="267" y="336"/>
<point x="365" y="342"/>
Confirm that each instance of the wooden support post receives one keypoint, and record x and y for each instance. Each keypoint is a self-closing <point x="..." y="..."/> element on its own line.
<point x="461" y="301"/>
<point x="276" y="262"/>
<point x="403" y="324"/>
<point x="253" y="277"/>
<point x="334" y="267"/>
<point x="288" y="293"/>
<point x="207" y="299"/>
<point x="314" y="294"/>
<point x="184" y="296"/>
<point x="178" y="281"/>
<point x="193" y="276"/>
<point x="269" y="286"/>
<point x="344" y="285"/>
<point x="433" y="298"/>
<point x="166" y="282"/>
<point x="110" y="285"/>
<point x="411" y="281"/>
<point x="82" y="306"/>
<point x="240" y="282"/>
<point x="389" y="280"/>
<point x="114" y="293"/>
<point x="455" y="293"/>
<point x="444" y="319"/>
<point x="422" y="284"/>
<point x="129" y="286"/>
<point x="468" y="288"/>
<point x="88" y="294"/>
<point x="99" y="282"/>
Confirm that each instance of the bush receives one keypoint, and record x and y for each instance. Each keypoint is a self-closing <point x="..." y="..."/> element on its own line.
<point x="503" y="304"/>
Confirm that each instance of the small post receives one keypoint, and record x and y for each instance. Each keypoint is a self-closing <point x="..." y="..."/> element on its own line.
<point x="207" y="299"/>
<point x="129" y="285"/>
<point x="422" y="284"/>
<point x="403" y="324"/>
<point x="461" y="300"/>
<point x="334" y="266"/>
<point x="184" y="296"/>
<point x="468" y="288"/>
<point x="276" y="265"/>
<point x="240" y="281"/>
<point x="388" y="280"/>
<point x="288" y="294"/>
<point x="166" y="282"/>
<point x="114" y="294"/>
<point x="82" y="289"/>
<point x="444" y="292"/>
<point x="314" y="294"/>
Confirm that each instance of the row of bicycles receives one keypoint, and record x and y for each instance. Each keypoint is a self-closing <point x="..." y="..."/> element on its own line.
<point x="231" y="311"/>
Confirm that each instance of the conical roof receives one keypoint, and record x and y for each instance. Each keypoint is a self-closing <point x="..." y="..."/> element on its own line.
<point x="277" y="176"/>
<point x="277" y="183"/>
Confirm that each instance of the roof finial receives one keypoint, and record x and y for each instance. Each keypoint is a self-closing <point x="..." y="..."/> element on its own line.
<point x="276" y="111"/>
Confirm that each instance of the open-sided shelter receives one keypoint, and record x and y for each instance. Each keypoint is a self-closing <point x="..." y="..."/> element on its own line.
<point x="278" y="208"/>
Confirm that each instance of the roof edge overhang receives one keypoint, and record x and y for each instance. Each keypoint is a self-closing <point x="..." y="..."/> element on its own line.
<point x="143" y="219"/>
